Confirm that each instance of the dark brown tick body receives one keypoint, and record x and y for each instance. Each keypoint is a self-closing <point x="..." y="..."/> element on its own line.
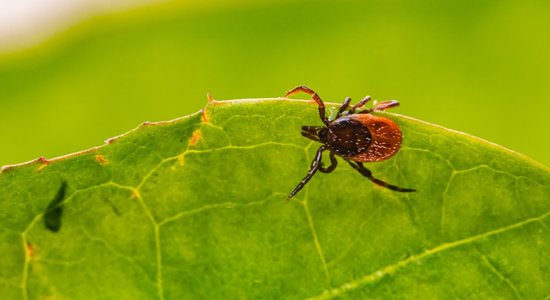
<point x="356" y="136"/>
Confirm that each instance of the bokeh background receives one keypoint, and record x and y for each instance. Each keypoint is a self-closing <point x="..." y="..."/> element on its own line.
<point x="482" y="67"/>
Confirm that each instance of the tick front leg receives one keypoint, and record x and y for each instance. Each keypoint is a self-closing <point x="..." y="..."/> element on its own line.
<point x="333" y="164"/>
<point x="367" y="173"/>
<point x="343" y="108"/>
<point x="314" y="167"/>
<point x="314" y="96"/>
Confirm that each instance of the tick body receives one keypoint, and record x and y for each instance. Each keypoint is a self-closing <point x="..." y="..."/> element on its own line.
<point x="355" y="135"/>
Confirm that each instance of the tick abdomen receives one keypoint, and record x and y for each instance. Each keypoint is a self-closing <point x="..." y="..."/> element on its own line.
<point x="386" y="138"/>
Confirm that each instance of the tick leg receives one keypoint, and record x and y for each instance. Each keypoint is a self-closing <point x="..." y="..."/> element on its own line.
<point x="359" y="104"/>
<point x="314" y="96"/>
<point x="343" y="108"/>
<point x="314" y="167"/>
<point x="367" y="173"/>
<point x="381" y="106"/>
<point x="385" y="105"/>
<point x="333" y="164"/>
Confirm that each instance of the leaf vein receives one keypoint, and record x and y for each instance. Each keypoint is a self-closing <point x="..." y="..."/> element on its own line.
<point x="316" y="240"/>
<point x="501" y="276"/>
<point x="227" y="205"/>
<point x="390" y="269"/>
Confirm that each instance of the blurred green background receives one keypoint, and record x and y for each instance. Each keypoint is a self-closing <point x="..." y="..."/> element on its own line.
<point x="482" y="67"/>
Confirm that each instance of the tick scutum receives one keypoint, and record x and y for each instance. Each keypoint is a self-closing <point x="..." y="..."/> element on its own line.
<point x="348" y="137"/>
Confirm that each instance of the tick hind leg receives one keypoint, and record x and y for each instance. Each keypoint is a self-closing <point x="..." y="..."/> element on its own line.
<point x="314" y="96"/>
<point x="367" y="173"/>
<point x="343" y="108"/>
<point x="315" y="164"/>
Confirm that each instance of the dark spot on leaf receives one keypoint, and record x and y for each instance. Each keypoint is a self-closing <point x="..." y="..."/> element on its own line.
<point x="54" y="211"/>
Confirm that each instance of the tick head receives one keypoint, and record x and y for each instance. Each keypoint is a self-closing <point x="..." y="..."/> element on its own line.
<point x="316" y="133"/>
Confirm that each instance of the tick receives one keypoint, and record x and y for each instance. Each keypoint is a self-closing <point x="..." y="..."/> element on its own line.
<point x="355" y="135"/>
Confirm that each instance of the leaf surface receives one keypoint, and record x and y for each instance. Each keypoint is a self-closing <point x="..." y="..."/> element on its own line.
<point x="196" y="208"/>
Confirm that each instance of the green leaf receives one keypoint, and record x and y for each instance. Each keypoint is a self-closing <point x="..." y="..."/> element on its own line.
<point x="196" y="208"/>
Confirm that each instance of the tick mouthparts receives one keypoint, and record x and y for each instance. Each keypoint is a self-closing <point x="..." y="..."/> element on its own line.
<point x="308" y="129"/>
<point x="316" y="133"/>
